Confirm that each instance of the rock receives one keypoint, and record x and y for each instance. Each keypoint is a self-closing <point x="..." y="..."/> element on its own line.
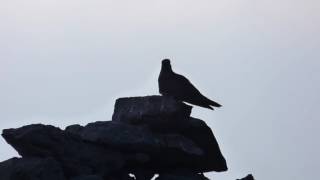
<point x="160" y="113"/>
<point x="116" y="135"/>
<point x="155" y="151"/>
<point x="76" y="156"/>
<point x="103" y="147"/>
<point x="87" y="177"/>
<point x="147" y="135"/>
<point x="165" y="115"/>
<point x="181" y="175"/>
<point x="120" y="176"/>
<point x="201" y="134"/>
<point x="31" y="169"/>
<point x="126" y="137"/>
<point x="143" y="174"/>
<point x="248" y="177"/>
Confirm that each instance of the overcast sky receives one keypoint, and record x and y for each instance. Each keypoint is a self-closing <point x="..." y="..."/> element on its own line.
<point x="65" y="62"/>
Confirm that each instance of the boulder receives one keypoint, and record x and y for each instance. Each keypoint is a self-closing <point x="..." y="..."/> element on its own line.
<point x="76" y="156"/>
<point x="147" y="135"/>
<point x="164" y="115"/>
<point x="31" y="169"/>
<point x="160" y="113"/>
<point x="130" y="138"/>
<point x="87" y="177"/>
<point x="156" y="151"/>
<point x="181" y="174"/>
<point x="201" y="134"/>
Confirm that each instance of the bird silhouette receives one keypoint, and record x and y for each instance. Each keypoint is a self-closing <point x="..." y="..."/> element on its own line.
<point x="177" y="86"/>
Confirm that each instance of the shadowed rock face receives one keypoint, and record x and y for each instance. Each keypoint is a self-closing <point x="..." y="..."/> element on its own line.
<point x="147" y="148"/>
<point x="76" y="156"/>
<point x="181" y="175"/>
<point x="159" y="113"/>
<point x="126" y="137"/>
<point x="147" y="135"/>
<point x="198" y="131"/>
<point x="31" y="169"/>
<point x="165" y="115"/>
<point x="87" y="177"/>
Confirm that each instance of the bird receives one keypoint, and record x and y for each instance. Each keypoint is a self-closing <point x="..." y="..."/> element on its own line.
<point x="180" y="88"/>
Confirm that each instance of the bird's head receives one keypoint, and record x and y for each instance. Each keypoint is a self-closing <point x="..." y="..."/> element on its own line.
<point x="166" y="64"/>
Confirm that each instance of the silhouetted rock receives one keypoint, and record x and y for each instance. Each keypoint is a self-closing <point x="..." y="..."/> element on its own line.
<point x="130" y="138"/>
<point x="164" y="115"/>
<point x="76" y="156"/>
<point x="160" y="113"/>
<point x="181" y="175"/>
<point x="144" y="147"/>
<point x="143" y="173"/>
<point x="31" y="169"/>
<point x="148" y="135"/>
<point x="202" y="135"/>
<point x="87" y="177"/>
<point x="122" y="175"/>
<point x="248" y="177"/>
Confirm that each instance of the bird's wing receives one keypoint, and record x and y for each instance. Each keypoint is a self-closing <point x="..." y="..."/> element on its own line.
<point x="186" y="87"/>
<point x="191" y="94"/>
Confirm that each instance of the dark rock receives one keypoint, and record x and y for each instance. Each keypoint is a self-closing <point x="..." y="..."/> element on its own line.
<point x="156" y="151"/>
<point x="74" y="129"/>
<point x="76" y="156"/>
<point x="130" y="138"/>
<point x="92" y="149"/>
<point x="143" y="174"/>
<point x="31" y="169"/>
<point x="165" y="115"/>
<point x="160" y="113"/>
<point x="116" y="135"/>
<point x="147" y="135"/>
<point x="248" y="177"/>
<point x="201" y="134"/>
<point x="87" y="177"/>
<point x="181" y="175"/>
<point x="160" y="149"/>
<point x="120" y="176"/>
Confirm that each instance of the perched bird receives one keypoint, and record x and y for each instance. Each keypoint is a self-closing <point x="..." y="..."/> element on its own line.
<point x="180" y="88"/>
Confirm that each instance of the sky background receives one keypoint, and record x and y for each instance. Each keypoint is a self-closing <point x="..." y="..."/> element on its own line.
<point x="65" y="62"/>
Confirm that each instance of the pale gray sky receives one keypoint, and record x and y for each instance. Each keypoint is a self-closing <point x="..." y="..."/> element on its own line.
<point x="65" y="62"/>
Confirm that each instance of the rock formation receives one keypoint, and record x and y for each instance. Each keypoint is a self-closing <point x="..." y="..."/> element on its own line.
<point x="146" y="136"/>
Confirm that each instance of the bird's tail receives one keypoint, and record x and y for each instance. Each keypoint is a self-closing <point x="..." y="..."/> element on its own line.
<point x="213" y="103"/>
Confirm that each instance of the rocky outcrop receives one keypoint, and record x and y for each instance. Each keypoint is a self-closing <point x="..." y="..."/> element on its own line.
<point x="147" y="136"/>
<point x="31" y="169"/>
<point x="181" y="174"/>
<point x="159" y="113"/>
<point x="75" y="156"/>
